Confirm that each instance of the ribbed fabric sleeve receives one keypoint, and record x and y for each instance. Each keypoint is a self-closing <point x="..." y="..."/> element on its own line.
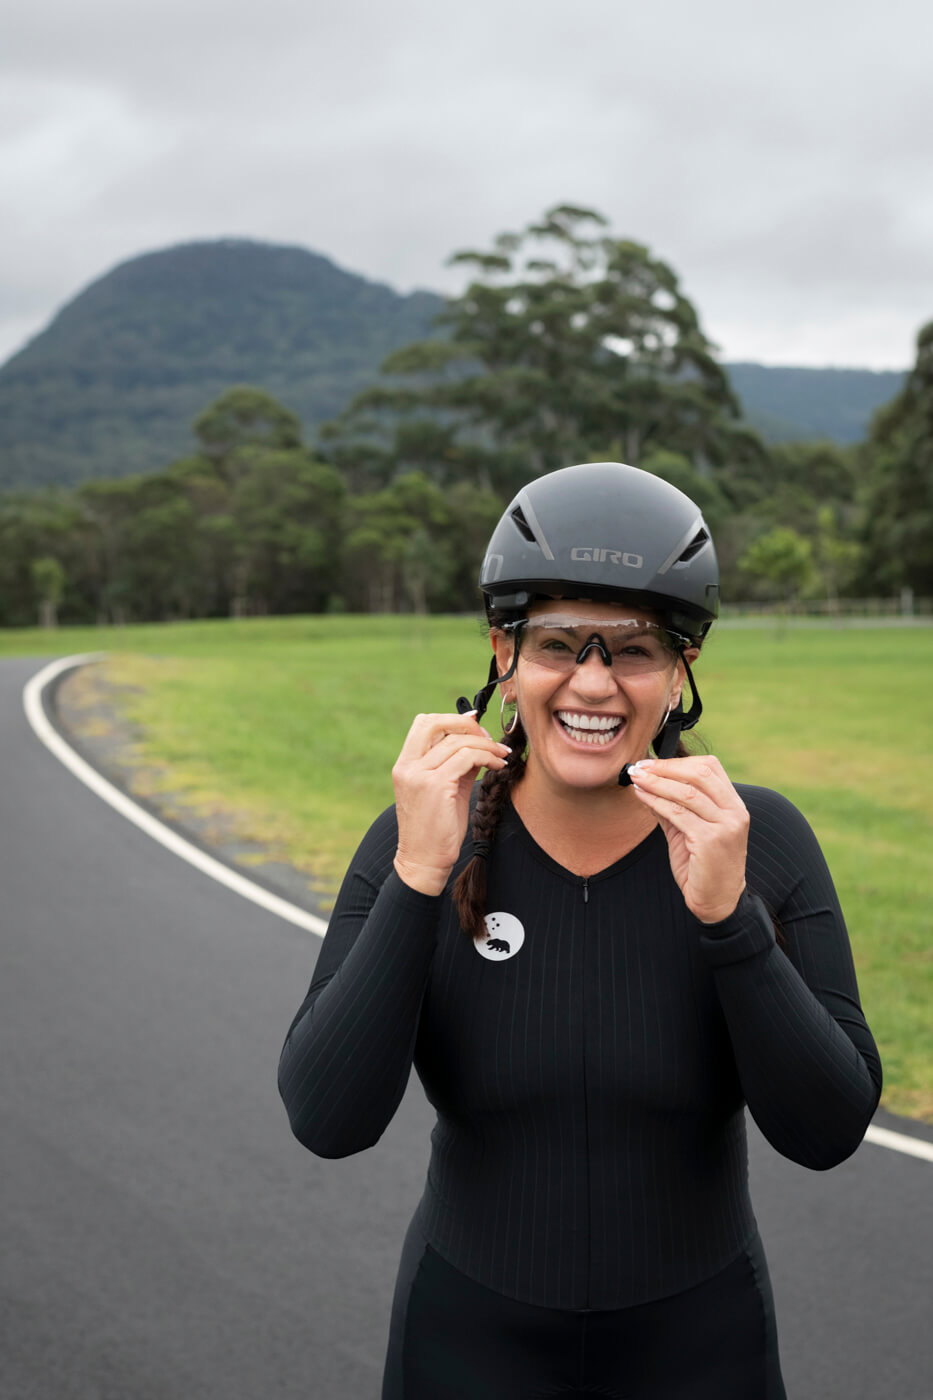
<point x="348" y="1055"/>
<point x="807" y="1063"/>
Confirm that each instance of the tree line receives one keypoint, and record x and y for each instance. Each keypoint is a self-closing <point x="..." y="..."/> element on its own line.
<point x="251" y="523"/>
<point x="568" y="345"/>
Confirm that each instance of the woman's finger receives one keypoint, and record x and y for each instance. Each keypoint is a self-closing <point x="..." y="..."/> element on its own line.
<point x="479" y="744"/>
<point x="428" y="730"/>
<point x="693" y="814"/>
<point x="704" y="776"/>
<point x="684" y="818"/>
<point x="686" y="795"/>
<point x="705" y="769"/>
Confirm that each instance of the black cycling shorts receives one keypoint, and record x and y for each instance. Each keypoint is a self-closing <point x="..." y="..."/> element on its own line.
<point x="453" y="1339"/>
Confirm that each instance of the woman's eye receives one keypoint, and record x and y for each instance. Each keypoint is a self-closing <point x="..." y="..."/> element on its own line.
<point x="552" y="644"/>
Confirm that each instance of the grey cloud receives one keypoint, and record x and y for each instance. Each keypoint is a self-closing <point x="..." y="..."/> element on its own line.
<point x="777" y="158"/>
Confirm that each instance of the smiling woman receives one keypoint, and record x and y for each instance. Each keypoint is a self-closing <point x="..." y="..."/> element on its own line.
<point x="605" y="659"/>
<point x="586" y="1226"/>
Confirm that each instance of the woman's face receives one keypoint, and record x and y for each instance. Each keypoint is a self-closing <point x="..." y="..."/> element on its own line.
<point x="583" y="722"/>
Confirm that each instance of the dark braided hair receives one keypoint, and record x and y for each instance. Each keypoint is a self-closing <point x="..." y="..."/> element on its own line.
<point x="494" y="790"/>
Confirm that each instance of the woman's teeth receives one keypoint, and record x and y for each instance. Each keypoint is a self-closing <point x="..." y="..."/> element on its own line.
<point x="590" y="729"/>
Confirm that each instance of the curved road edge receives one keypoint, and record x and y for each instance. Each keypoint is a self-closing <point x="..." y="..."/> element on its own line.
<point x="47" y="734"/>
<point x="34" y="706"/>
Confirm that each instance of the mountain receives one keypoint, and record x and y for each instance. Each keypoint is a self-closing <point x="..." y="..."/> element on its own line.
<point x="112" y="385"/>
<point x="787" y="405"/>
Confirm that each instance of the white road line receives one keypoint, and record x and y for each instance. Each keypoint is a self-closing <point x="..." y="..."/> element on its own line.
<point x="32" y="704"/>
<point x="899" y="1142"/>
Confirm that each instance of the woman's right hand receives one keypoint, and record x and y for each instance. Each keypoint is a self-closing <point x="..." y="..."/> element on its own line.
<point x="433" y="778"/>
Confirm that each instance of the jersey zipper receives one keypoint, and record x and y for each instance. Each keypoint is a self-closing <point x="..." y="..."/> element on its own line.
<point x="586" y="1116"/>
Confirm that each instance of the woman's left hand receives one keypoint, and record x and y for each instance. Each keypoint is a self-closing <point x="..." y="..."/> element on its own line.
<point x="706" y="825"/>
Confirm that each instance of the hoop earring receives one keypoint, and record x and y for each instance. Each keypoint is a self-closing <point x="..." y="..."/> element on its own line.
<point x="510" y="727"/>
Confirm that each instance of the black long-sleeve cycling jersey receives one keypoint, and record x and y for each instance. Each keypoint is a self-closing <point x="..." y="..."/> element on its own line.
<point x="590" y="1143"/>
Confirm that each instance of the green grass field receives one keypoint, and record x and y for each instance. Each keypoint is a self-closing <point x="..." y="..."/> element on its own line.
<point x="293" y="725"/>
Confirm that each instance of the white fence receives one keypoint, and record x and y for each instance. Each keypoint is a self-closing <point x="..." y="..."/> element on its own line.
<point x="905" y="608"/>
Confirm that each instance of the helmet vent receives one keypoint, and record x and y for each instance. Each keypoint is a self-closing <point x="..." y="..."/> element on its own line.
<point x="524" y="529"/>
<point x="696" y="544"/>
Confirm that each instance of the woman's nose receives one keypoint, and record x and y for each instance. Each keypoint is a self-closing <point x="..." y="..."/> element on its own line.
<point x="593" y="678"/>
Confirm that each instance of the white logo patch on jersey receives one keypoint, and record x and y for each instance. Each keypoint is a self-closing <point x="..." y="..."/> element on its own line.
<point x="506" y="936"/>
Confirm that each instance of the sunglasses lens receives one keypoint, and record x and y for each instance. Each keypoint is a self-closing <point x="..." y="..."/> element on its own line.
<point x="633" y="647"/>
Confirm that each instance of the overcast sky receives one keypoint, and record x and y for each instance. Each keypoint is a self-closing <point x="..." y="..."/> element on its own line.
<point x="778" y="156"/>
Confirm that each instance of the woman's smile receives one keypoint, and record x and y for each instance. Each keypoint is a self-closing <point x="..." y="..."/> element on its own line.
<point x="585" y="729"/>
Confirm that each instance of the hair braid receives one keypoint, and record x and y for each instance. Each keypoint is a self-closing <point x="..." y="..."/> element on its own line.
<point x="469" y="891"/>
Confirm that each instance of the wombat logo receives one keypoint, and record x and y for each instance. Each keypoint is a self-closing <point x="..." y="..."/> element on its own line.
<point x="505" y="937"/>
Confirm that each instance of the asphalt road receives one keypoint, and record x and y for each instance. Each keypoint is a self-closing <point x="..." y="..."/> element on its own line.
<point x="164" y="1238"/>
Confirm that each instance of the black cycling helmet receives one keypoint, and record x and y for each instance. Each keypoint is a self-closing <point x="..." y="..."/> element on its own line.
<point x="609" y="532"/>
<point x="612" y="533"/>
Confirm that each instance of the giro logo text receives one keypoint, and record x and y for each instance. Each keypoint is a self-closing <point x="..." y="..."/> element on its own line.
<point x="607" y="556"/>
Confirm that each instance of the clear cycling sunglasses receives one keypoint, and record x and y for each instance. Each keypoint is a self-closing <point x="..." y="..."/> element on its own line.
<point x="631" y="646"/>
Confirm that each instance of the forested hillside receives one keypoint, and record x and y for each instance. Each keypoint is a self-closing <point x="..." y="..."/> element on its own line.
<point x="786" y="404"/>
<point x="111" y="387"/>
<point x="568" y="345"/>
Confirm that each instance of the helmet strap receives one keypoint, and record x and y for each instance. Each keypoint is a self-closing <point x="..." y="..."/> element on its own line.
<point x="666" y="740"/>
<point x="482" y="697"/>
